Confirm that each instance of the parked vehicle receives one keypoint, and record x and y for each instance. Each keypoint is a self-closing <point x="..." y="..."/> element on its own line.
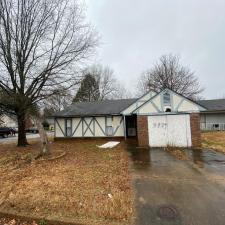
<point x="33" y="130"/>
<point x="13" y="131"/>
<point x="5" y="132"/>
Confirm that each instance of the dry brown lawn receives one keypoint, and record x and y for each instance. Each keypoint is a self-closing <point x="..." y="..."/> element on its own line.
<point x="178" y="153"/>
<point x="88" y="185"/>
<point x="214" y="140"/>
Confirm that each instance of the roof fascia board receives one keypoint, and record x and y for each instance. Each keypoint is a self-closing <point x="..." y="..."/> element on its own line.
<point x="92" y="115"/>
<point x="138" y="100"/>
<point x="212" y="111"/>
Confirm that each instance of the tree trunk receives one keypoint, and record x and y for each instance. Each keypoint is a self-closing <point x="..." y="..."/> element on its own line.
<point x="44" y="138"/>
<point x="22" y="140"/>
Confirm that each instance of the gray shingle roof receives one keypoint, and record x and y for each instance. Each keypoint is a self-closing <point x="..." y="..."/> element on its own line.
<point x="106" y="107"/>
<point x="213" y="105"/>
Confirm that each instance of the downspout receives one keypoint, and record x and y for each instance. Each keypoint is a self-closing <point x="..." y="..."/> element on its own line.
<point x="124" y="127"/>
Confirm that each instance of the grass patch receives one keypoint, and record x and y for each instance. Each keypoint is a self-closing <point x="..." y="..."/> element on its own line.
<point x="74" y="188"/>
<point x="214" y="140"/>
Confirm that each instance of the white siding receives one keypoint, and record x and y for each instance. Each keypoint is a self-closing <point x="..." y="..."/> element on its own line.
<point x="91" y="126"/>
<point x="213" y="118"/>
<point x="188" y="106"/>
<point x="147" y="108"/>
<point x="139" y="102"/>
<point x="7" y="121"/>
<point x="178" y="104"/>
<point x="59" y="124"/>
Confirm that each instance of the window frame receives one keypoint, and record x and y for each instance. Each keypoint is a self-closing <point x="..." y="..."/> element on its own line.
<point x="107" y="133"/>
<point x="167" y="102"/>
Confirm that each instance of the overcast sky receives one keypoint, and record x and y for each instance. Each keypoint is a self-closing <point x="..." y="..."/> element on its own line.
<point x="135" y="33"/>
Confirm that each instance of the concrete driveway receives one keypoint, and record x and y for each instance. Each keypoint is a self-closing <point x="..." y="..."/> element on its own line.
<point x="172" y="192"/>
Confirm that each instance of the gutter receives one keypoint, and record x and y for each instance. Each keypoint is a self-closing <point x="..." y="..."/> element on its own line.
<point x="212" y="111"/>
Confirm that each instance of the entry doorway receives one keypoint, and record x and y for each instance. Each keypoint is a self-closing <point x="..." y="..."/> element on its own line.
<point x="131" y="126"/>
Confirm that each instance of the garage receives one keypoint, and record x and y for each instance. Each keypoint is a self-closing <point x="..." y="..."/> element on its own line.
<point x="169" y="130"/>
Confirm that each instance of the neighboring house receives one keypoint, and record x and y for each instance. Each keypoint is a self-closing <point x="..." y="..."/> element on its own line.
<point x="155" y="119"/>
<point x="11" y="121"/>
<point x="8" y="121"/>
<point x="214" y="117"/>
<point x="50" y="121"/>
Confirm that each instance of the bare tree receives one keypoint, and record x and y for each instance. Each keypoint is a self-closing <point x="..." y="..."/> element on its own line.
<point x="41" y="44"/>
<point x="121" y="92"/>
<point x="106" y="83"/>
<point x="59" y="101"/>
<point x="169" y="73"/>
<point x="106" y="80"/>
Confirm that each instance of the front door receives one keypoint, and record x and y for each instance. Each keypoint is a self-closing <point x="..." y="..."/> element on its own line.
<point x="131" y="126"/>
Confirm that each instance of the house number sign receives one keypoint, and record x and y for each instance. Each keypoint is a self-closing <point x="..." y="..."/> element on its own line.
<point x="160" y="125"/>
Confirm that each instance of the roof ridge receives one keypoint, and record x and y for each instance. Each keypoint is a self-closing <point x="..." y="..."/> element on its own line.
<point x="105" y="100"/>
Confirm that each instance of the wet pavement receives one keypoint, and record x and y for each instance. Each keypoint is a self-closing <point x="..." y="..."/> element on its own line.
<point x="174" y="192"/>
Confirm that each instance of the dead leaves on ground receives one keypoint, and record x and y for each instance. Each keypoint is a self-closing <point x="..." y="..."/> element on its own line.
<point x="214" y="140"/>
<point x="75" y="186"/>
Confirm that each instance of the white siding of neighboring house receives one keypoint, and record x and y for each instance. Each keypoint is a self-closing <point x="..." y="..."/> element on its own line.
<point x="213" y="118"/>
<point x="214" y="121"/>
<point x="97" y="128"/>
<point x="7" y="121"/>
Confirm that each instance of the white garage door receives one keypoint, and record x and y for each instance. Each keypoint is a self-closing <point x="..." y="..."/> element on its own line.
<point x="172" y="130"/>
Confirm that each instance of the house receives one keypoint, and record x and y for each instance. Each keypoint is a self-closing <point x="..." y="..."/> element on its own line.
<point x="50" y="121"/>
<point x="214" y="117"/>
<point x="155" y="119"/>
<point x="8" y="121"/>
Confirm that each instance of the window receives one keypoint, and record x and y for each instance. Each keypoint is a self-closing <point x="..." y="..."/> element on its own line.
<point x="109" y="130"/>
<point x="68" y="127"/>
<point x="166" y="99"/>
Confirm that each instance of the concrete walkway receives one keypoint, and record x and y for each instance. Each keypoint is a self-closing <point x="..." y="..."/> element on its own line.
<point x="172" y="192"/>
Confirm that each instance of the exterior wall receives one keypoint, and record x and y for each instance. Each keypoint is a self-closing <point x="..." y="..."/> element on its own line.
<point x="213" y="118"/>
<point x="142" y="131"/>
<point x="187" y="106"/>
<point x="139" y="102"/>
<point x="147" y="108"/>
<point x="7" y="121"/>
<point x="178" y="103"/>
<point x="91" y="126"/>
<point x="59" y="127"/>
<point x="212" y="121"/>
<point x="195" y="129"/>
